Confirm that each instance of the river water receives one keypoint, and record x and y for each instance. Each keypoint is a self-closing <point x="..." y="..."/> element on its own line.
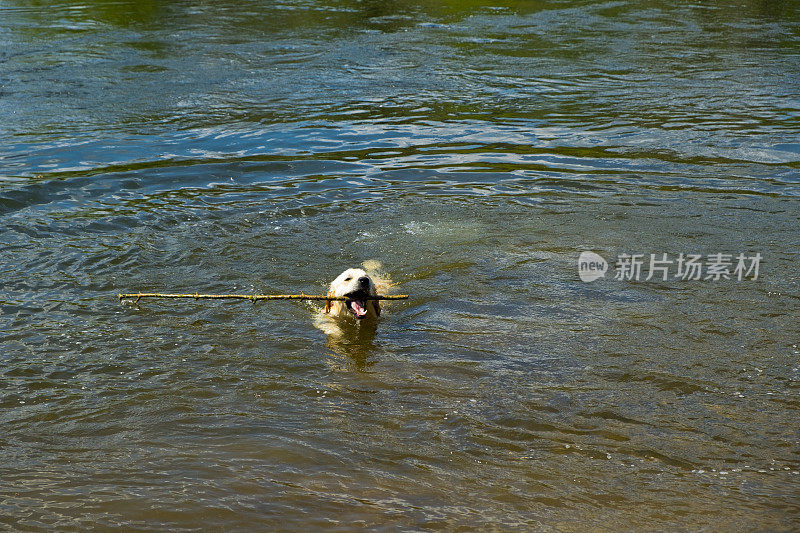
<point x="475" y="149"/>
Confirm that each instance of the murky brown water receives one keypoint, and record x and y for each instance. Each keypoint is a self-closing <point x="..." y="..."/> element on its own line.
<point x="475" y="150"/>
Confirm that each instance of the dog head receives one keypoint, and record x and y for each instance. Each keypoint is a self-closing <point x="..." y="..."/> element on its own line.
<point x="355" y="284"/>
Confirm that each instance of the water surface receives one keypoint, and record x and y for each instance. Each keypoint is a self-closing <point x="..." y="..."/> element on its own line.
<point x="475" y="150"/>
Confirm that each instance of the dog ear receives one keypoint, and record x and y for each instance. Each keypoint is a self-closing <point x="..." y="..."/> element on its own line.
<point x="328" y="303"/>
<point x="377" y="307"/>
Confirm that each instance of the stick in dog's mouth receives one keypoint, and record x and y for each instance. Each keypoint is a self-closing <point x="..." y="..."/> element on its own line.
<point x="357" y="304"/>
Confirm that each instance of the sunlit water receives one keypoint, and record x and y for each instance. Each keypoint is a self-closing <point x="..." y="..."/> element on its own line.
<point x="475" y="150"/>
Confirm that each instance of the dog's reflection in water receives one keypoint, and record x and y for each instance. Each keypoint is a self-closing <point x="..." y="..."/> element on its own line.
<point x="352" y="344"/>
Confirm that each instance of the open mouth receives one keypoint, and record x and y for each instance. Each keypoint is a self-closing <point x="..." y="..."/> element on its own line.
<point x="357" y="304"/>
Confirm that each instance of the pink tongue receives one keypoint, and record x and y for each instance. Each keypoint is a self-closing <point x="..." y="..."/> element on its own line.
<point x="359" y="308"/>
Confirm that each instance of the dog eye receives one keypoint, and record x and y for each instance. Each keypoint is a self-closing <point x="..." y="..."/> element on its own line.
<point x="348" y="278"/>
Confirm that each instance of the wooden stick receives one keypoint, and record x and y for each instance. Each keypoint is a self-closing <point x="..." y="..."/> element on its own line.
<point x="255" y="297"/>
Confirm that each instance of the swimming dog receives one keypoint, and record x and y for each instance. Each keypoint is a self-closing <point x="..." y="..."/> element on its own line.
<point x="356" y="285"/>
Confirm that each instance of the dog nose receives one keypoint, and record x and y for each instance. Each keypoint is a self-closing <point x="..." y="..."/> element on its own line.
<point x="363" y="281"/>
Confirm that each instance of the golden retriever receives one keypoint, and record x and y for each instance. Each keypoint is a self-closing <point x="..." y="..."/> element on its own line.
<point x="350" y="325"/>
<point x="355" y="284"/>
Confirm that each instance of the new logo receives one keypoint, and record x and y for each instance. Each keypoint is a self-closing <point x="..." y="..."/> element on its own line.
<point x="591" y="266"/>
